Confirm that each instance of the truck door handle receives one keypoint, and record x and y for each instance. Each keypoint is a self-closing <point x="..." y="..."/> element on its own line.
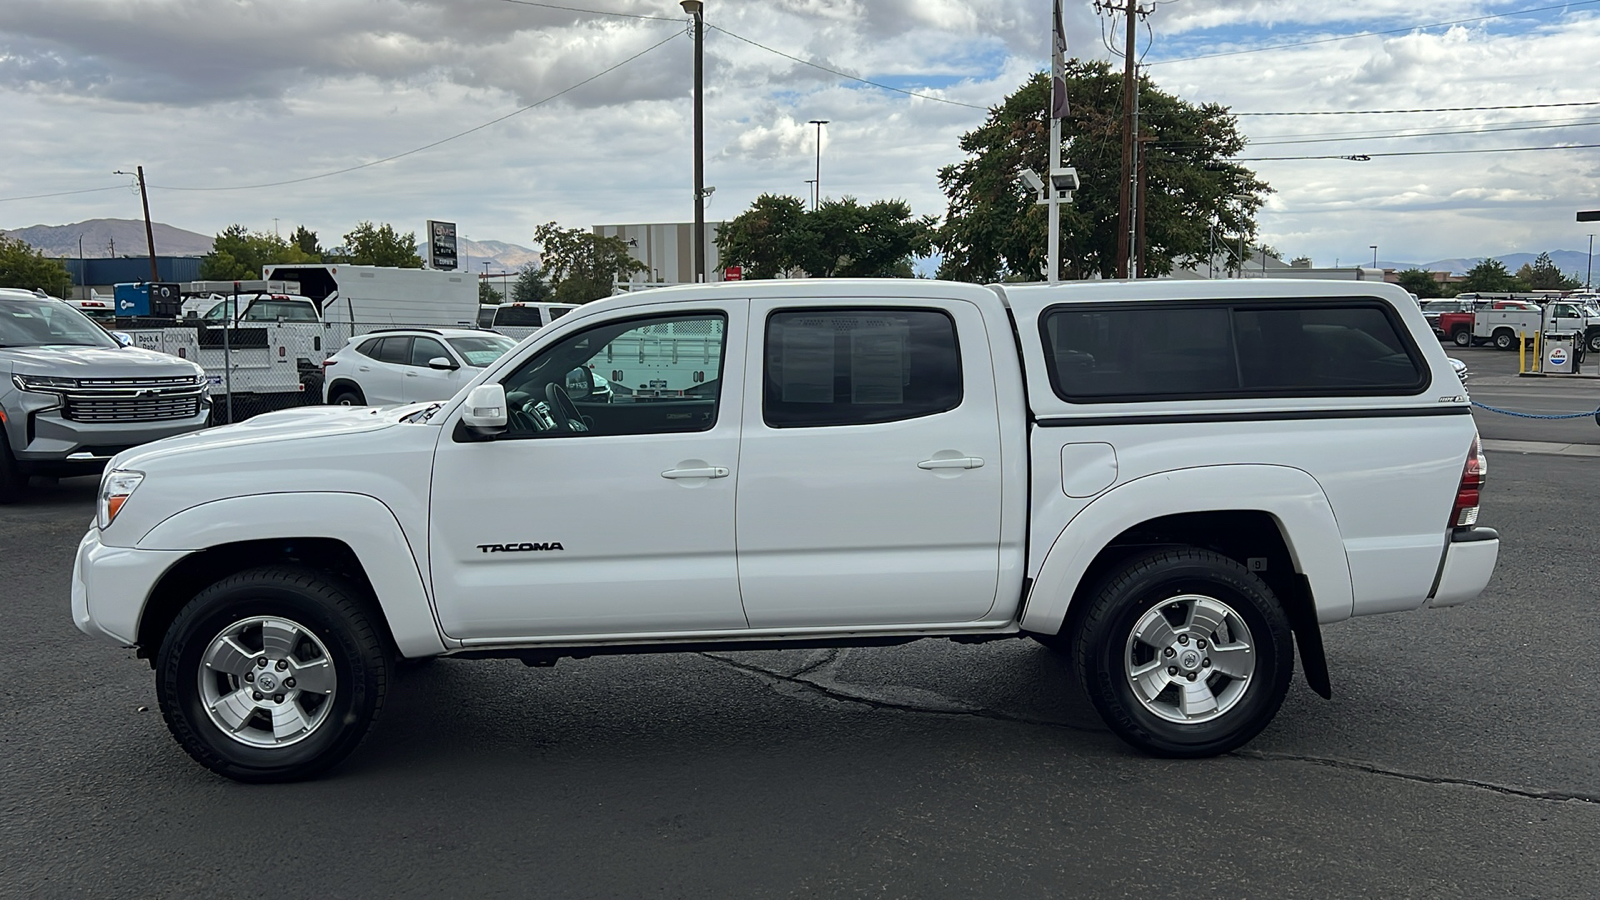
<point x="705" y="472"/>
<point x="960" y="462"/>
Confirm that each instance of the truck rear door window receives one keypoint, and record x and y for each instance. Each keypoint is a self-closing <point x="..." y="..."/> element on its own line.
<point x="859" y="366"/>
<point x="518" y="315"/>
<point x="1104" y="353"/>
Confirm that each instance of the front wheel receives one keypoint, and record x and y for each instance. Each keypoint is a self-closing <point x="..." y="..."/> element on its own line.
<point x="1462" y="337"/>
<point x="274" y="674"/>
<point x="1594" y="341"/>
<point x="1185" y="653"/>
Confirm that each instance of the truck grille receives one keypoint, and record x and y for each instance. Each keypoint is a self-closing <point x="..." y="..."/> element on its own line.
<point x="132" y="399"/>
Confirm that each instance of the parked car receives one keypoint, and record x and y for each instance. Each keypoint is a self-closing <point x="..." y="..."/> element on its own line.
<point x="381" y="368"/>
<point x="1178" y="482"/>
<point x="74" y="396"/>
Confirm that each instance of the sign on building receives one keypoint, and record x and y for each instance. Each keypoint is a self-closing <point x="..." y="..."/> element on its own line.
<point x="441" y="244"/>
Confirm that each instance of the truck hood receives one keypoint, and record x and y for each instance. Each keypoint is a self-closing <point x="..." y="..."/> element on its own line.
<point x="274" y="427"/>
<point x="66" y="361"/>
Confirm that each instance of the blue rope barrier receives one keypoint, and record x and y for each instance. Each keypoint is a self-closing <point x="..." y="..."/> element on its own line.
<point x="1523" y="415"/>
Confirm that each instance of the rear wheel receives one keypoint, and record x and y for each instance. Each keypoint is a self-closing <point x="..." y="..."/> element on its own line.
<point x="1185" y="653"/>
<point x="1594" y="341"/>
<point x="1504" y="340"/>
<point x="274" y="674"/>
<point x="344" y="395"/>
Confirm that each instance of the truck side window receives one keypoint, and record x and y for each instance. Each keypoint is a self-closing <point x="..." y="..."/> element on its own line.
<point x="1105" y="353"/>
<point x="656" y="375"/>
<point x="840" y="366"/>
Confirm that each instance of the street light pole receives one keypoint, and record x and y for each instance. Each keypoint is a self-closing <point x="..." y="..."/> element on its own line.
<point x="811" y="187"/>
<point x="816" y="196"/>
<point x="1374" y="255"/>
<point x="696" y="9"/>
<point x="1588" y="276"/>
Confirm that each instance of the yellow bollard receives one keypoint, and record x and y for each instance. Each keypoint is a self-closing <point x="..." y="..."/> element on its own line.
<point x="1538" y="355"/>
<point x="1522" y="353"/>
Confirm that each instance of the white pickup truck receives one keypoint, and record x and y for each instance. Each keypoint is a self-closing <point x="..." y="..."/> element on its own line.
<point x="1174" y="482"/>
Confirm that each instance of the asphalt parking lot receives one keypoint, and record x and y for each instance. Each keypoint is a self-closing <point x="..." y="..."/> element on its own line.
<point x="1460" y="757"/>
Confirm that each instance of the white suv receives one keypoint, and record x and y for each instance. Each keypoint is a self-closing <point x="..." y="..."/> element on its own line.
<point x="408" y="365"/>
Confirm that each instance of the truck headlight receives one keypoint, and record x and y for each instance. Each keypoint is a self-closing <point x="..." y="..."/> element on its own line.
<point x="115" y="489"/>
<point x="43" y="384"/>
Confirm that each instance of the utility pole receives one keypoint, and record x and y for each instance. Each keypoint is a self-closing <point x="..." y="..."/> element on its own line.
<point x="1588" y="276"/>
<point x="149" y="234"/>
<point x="696" y="9"/>
<point x="816" y="191"/>
<point x="1126" y="203"/>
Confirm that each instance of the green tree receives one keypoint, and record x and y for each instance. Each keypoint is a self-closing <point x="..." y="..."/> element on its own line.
<point x="1420" y="283"/>
<point x="582" y="265"/>
<point x="238" y="254"/>
<point x="379" y="245"/>
<point x="993" y="229"/>
<point x="1543" y="275"/>
<point x="841" y="238"/>
<point x="487" y="295"/>
<point x="21" y="266"/>
<point x="761" y="239"/>
<point x="532" y="286"/>
<point x="1488" y="276"/>
<point x="306" y="240"/>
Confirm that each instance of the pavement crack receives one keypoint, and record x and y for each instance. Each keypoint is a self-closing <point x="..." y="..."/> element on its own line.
<point x="837" y="691"/>
<point x="1370" y="769"/>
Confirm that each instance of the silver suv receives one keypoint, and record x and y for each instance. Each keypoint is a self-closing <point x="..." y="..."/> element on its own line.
<point x="72" y="396"/>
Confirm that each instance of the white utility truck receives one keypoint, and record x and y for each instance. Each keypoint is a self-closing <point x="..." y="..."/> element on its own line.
<point x="1504" y="327"/>
<point x="354" y="300"/>
<point x="1179" y="481"/>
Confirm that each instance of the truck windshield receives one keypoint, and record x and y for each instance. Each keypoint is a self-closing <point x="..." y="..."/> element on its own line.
<point x="44" y="323"/>
<point x="480" y="350"/>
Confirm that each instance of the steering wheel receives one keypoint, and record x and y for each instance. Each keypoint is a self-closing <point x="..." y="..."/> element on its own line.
<point x="563" y="410"/>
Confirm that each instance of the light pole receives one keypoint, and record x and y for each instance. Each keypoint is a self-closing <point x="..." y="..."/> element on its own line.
<point x="83" y="267"/>
<point x="1374" y="255"/>
<point x="696" y="9"/>
<point x="811" y="186"/>
<point x="816" y="196"/>
<point x="1588" y="276"/>
<point x="149" y="236"/>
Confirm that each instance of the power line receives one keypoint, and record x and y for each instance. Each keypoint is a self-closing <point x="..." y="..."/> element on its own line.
<point x="1363" y="157"/>
<point x="1337" y="138"/>
<point x="875" y="84"/>
<point x="592" y="12"/>
<point x="120" y="187"/>
<point x="376" y="162"/>
<point x="1428" y="109"/>
<point x="1362" y="34"/>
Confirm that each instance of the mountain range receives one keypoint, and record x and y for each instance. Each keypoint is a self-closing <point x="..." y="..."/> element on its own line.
<point x="1573" y="263"/>
<point x="104" y="238"/>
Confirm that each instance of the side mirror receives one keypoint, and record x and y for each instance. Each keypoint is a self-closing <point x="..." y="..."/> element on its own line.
<point x="443" y="362"/>
<point x="485" y="410"/>
<point x="123" y="338"/>
<point x="580" y="383"/>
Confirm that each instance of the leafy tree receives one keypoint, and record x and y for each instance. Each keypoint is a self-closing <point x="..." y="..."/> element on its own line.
<point x="761" y="238"/>
<point x="581" y="264"/>
<point x="1543" y="275"/>
<point x="487" y="295"/>
<point x="841" y="238"/>
<point x="1420" y="283"/>
<point x="532" y="286"/>
<point x="1489" y="275"/>
<point x="306" y="240"/>
<point x="21" y="266"/>
<point x="238" y="255"/>
<point x="994" y="230"/>
<point x="379" y="245"/>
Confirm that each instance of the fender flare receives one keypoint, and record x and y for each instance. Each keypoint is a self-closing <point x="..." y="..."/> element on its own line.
<point x="1291" y="496"/>
<point x="361" y="522"/>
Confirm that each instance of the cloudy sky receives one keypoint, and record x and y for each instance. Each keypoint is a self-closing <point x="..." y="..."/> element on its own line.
<point x="236" y="107"/>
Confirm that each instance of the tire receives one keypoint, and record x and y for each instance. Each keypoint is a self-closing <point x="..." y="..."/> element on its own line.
<point x="1186" y="600"/>
<point x="345" y="395"/>
<point x="1504" y="340"/>
<point x="1462" y="337"/>
<point x="1594" y="341"/>
<point x="262" y="628"/>
<point x="12" y="481"/>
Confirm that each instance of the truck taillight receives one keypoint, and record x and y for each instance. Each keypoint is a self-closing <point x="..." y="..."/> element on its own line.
<point x="1465" y="513"/>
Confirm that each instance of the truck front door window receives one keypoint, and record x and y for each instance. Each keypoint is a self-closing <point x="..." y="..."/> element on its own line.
<point x="657" y="375"/>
